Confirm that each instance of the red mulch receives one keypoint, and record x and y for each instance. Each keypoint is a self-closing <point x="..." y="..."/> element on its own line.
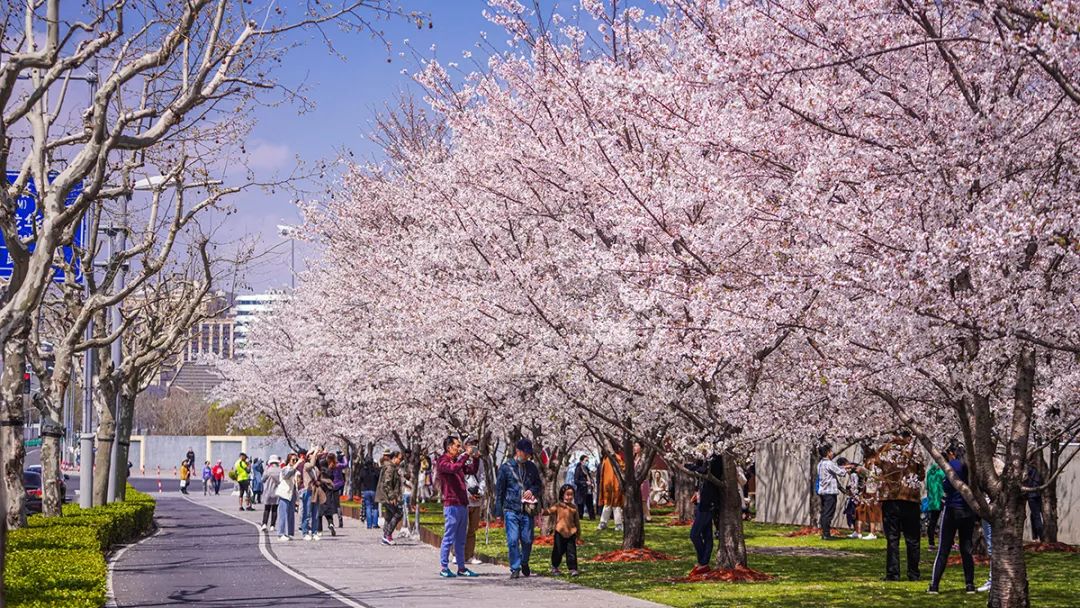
<point x="738" y="574"/>
<point x="1051" y="548"/>
<point x="633" y="555"/>
<point x="549" y="540"/>
<point x="804" y="531"/>
<point x="679" y="522"/>
<point x="956" y="560"/>
<point x="495" y="523"/>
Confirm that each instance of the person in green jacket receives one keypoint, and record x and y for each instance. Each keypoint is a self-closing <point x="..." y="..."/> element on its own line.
<point x="935" y="477"/>
<point x="243" y="479"/>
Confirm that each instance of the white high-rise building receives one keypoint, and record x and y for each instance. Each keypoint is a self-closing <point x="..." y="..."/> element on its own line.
<point x="247" y="309"/>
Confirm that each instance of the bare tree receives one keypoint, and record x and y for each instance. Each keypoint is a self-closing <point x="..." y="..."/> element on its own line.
<point x="155" y="73"/>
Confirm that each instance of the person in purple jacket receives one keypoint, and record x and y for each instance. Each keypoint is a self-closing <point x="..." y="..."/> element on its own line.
<point x="452" y="468"/>
<point x="338" y="475"/>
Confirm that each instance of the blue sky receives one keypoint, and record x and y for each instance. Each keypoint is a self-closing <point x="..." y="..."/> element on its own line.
<point x="346" y="94"/>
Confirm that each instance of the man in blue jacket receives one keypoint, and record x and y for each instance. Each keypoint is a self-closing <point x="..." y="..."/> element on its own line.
<point x="518" y="490"/>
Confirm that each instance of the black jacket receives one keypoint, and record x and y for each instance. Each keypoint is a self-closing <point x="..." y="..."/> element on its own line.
<point x="369" y="479"/>
<point x="709" y="492"/>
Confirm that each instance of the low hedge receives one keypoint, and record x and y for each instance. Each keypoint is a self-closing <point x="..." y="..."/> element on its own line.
<point x="60" y="561"/>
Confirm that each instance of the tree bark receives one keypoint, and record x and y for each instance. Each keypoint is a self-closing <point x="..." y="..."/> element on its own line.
<point x="123" y="437"/>
<point x="105" y="399"/>
<point x="731" y="542"/>
<point x="1007" y="565"/>
<point x="1050" y="495"/>
<point x="51" y="454"/>
<point x="683" y="487"/>
<point x="815" y="504"/>
<point x="633" y="511"/>
<point x="11" y="429"/>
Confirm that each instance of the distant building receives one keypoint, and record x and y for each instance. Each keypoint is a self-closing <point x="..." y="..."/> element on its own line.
<point x="222" y="334"/>
<point x="247" y="309"/>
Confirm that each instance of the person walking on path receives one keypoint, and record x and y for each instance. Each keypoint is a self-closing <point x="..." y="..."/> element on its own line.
<point x="583" y="489"/>
<point x="706" y="500"/>
<point x="828" y="474"/>
<point x="935" y="492"/>
<point x="453" y="466"/>
<point x="190" y="459"/>
<point x="957" y="518"/>
<point x="271" y="478"/>
<point x="207" y="477"/>
<point x="257" y="470"/>
<point x="900" y="492"/>
<point x="286" y="499"/>
<point x="311" y="495"/>
<point x="476" y="486"/>
<point x="243" y="479"/>
<point x="185" y="476"/>
<point x="389" y="495"/>
<point x="218" y="473"/>
<point x="369" y="483"/>
<point x="611" y="493"/>
<point x="517" y="498"/>
<point x="329" y="505"/>
<point x="567" y="528"/>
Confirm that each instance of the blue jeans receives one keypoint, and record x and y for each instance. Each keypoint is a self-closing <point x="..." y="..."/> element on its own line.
<point x="457" y="524"/>
<point x="309" y="513"/>
<point x="371" y="510"/>
<point x="286" y="523"/>
<point x="519" y="538"/>
<point x="988" y="534"/>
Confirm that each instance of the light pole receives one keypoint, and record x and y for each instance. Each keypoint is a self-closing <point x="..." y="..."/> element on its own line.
<point x="117" y="244"/>
<point x="289" y="232"/>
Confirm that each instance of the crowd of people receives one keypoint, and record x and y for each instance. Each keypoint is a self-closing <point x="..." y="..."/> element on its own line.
<point x="891" y="491"/>
<point x="894" y="490"/>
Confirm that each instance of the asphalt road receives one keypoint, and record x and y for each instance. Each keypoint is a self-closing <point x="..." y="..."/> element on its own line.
<point x="202" y="557"/>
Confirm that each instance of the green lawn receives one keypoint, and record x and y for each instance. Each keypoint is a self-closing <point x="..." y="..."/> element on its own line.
<point x="800" y="581"/>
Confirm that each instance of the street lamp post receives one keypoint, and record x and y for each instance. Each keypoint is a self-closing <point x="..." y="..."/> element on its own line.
<point x="289" y="232"/>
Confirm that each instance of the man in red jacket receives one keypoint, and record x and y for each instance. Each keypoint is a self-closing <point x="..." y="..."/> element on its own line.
<point x="452" y="467"/>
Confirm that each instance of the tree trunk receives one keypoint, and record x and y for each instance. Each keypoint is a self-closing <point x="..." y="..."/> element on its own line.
<point x="1007" y="565"/>
<point x="11" y="429"/>
<point x="1050" y="495"/>
<point x="731" y="543"/>
<point x="550" y="479"/>
<point x="51" y="454"/>
<point x="682" y="487"/>
<point x="123" y="437"/>
<point x="106" y="407"/>
<point x="633" y="511"/>
<point x="815" y="504"/>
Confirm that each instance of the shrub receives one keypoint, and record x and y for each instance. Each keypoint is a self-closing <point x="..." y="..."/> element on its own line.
<point x="60" y="561"/>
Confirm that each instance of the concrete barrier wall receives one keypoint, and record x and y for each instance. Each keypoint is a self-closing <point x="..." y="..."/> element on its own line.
<point x="150" y="453"/>
<point x="785" y="487"/>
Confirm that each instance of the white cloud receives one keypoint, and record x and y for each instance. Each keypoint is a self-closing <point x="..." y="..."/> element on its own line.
<point x="268" y="156"/>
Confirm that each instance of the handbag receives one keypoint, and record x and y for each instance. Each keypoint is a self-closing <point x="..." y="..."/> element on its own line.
<point x="283" y="489"/>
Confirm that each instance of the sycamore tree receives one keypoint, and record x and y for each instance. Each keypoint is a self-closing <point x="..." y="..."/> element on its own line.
<point x="85" y="87"/>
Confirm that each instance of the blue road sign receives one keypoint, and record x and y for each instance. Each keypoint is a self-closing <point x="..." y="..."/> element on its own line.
<point x="26" y="214"/>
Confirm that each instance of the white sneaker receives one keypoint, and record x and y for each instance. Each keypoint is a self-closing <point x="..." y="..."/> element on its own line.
<point x="307" y="537"/>
<point x="262" y="527"/>
<point x="317" y="537"/>
<point x="475" y="562"/>
<point x="618" y="528"/>
<point x="983" y="588"/>
<point x="854" y="535"/>
<point x="870" y="536"/>
<point x="283" y="538"/>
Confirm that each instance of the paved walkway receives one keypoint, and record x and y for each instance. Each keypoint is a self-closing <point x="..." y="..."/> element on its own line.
<point x="351" y="569"/>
